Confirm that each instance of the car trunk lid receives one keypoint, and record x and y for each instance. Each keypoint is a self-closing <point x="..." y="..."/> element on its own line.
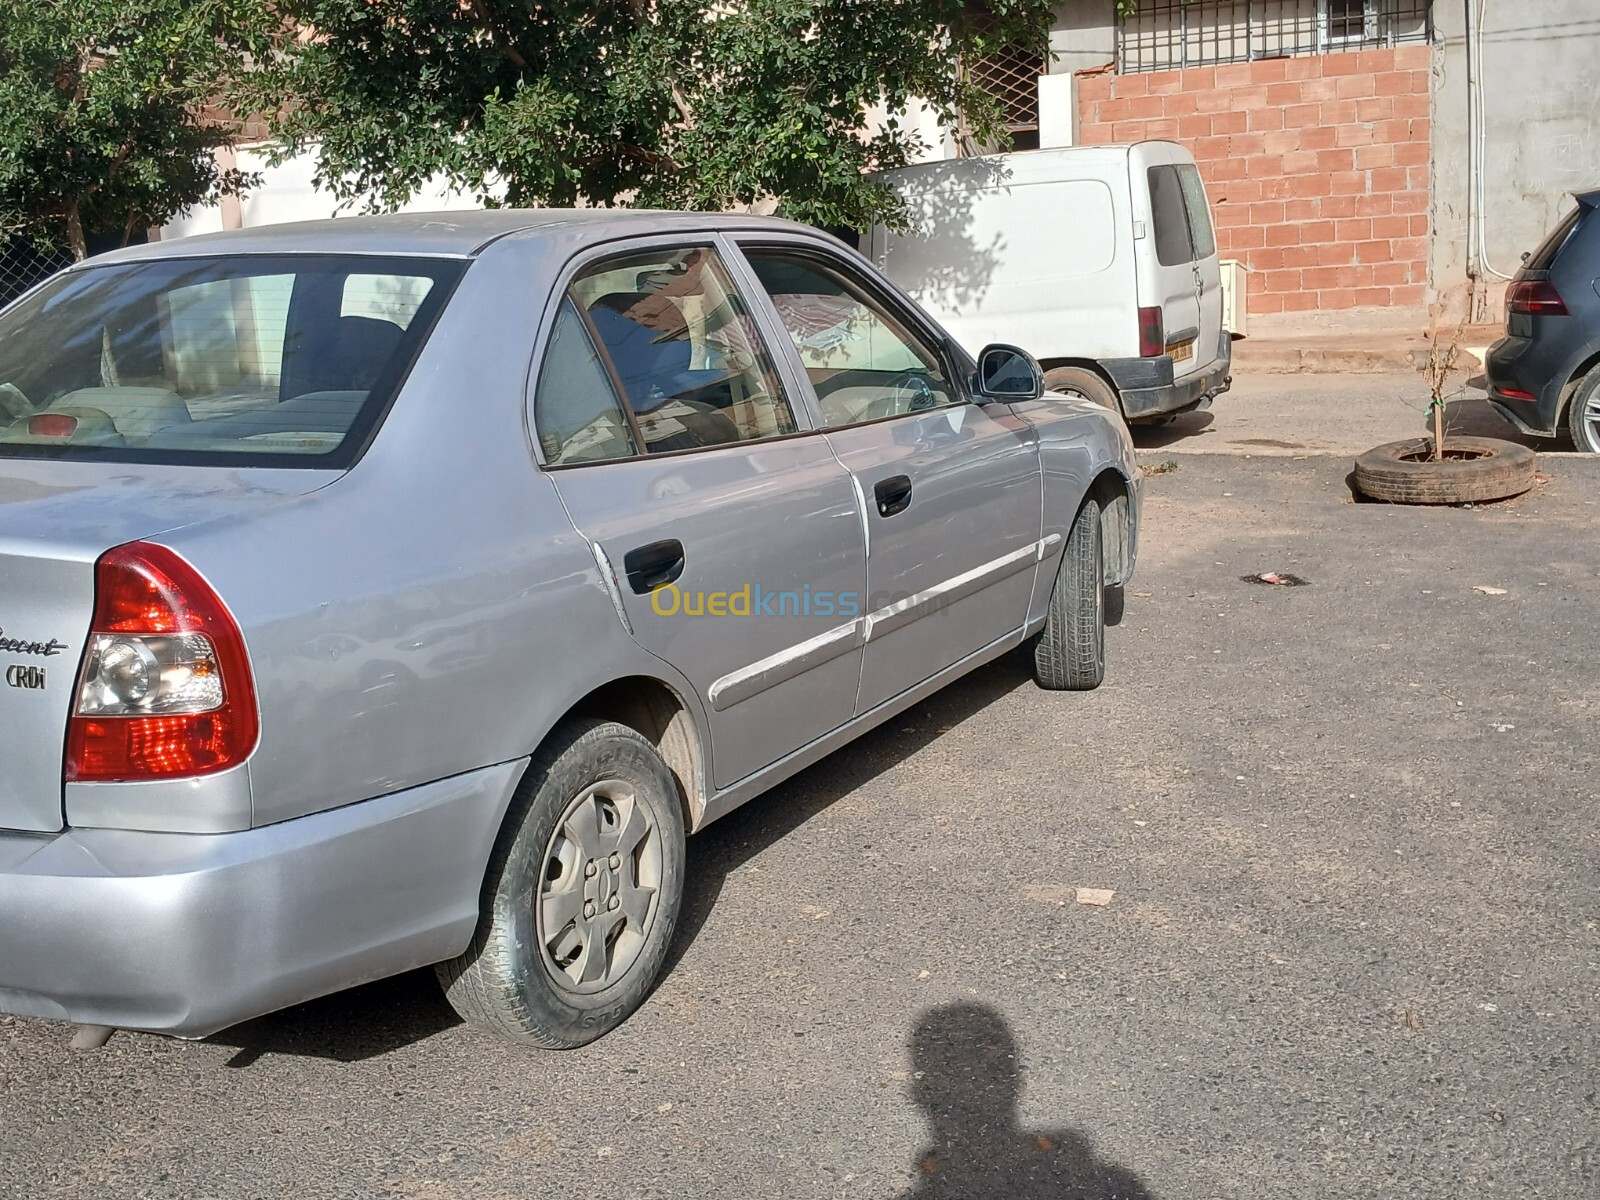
<point x="56" y="519"/>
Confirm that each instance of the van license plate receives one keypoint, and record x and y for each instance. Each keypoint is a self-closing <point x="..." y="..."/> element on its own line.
<point x="1182" y="351"/>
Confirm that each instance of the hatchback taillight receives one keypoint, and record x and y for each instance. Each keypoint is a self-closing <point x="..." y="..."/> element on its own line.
<point x="1152" y="336"/>
<point x="1536" y="298"/>
<point x="166" y="688"/>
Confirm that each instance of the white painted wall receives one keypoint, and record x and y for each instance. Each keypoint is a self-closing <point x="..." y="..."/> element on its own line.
<point x="287" y="193"/>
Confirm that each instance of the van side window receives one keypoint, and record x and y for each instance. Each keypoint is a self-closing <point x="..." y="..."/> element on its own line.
<point x="575" y="409"/>
<point x="862" y="363"/>
<point x="1171" y="219"/>
<point x="1194" y="200"/>
<point x="682" y="349"/>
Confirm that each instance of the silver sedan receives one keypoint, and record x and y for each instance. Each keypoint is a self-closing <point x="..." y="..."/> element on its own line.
<point x="387" y="592"/>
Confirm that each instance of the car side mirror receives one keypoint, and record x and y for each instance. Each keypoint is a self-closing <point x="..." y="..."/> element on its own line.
<point x="1008" y="374"/>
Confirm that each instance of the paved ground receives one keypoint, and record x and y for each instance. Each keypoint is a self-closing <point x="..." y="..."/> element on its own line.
<point x="1354" y="947"/>
<point x="1298" y="415"/>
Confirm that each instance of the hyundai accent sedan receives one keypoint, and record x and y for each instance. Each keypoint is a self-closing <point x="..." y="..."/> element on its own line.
<point x="392" y="592"/>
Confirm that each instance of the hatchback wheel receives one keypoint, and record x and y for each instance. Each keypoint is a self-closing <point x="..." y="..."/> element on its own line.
<point x="582" y="893"/>
<point x="1583" y="414"/>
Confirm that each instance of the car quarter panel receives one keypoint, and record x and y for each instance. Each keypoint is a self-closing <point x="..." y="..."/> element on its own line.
<point x="433" y="611"/>
<point x="1078" y="442"/>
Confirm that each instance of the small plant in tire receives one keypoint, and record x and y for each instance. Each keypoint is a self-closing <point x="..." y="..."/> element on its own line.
<point x="391" y="593"/>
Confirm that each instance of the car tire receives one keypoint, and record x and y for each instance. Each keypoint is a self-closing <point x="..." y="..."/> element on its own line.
<point x="1070" y="653"/>
<point x="582" y="892"/>
<point x="1080" y="381"/>
<point x="1583" y="414"/>
<point x="1486" y="469"/>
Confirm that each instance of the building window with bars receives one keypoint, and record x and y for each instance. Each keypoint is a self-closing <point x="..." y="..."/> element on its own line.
<point x="1012" y="75"/>
<point x="1164" y="34"/>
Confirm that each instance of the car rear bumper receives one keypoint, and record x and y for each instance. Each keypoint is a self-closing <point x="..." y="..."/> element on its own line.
<point x="1516" y="364"/>
<point x="1147" y="387"/>
<point x="187" y="934"/>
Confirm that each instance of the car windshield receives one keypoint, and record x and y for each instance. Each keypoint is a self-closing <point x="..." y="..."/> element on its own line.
<point x="288" y="359"/>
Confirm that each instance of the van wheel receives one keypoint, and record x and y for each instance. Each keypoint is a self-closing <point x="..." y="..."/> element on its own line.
<point x="1084" y="383"/>
<point x="582" y="893"/>
<point x="1070" y="654"/>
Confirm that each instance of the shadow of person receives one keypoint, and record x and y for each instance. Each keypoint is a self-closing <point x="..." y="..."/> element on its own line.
<point x="967" y="1080"/>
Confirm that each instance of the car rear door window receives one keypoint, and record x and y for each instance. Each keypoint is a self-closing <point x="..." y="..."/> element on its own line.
<point x="863" y="364"/>
<point x="1174" y="245"/>
<point x="682" y="350"/>
<point x="1194" y="203"/>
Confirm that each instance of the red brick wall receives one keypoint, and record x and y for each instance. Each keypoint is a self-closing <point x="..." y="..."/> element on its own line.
<point x="1316" y="167"/>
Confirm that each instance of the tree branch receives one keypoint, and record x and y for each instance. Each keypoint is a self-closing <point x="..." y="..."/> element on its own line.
<point x="510" y="53"/>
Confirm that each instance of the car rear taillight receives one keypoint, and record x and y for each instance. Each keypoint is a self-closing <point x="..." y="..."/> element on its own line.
<point x="52" y="425"/>
<point x="166" y="688"/>
<point x="1152" y="336"/>
<point x="1536" y="298"/>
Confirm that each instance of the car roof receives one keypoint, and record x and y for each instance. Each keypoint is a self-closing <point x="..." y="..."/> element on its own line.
<point x="459" y="234"/>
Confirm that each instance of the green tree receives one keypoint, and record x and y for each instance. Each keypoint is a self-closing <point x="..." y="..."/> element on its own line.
<point x="104" y="106"/>
<point x="654" y="103"/>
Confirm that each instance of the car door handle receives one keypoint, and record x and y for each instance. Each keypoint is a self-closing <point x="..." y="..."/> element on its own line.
<point x="653" y="566"/>
<point x="893" y="495"/>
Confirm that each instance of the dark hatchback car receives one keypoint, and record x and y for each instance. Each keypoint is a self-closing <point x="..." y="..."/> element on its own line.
<point x="1546" y="370"/>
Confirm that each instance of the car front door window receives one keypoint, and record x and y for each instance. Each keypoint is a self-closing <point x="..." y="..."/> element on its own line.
<point x="863" y="364"/>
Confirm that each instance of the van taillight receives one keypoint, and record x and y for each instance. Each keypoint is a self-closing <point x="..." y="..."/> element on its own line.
<point x="1152" y="336"/>
<point x="1536" y="298"/>
<point x="166" y="688"/>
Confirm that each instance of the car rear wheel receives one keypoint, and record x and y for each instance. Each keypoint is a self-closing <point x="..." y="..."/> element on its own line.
<point x="1583" y="414"/>
<point x="582" y="893"/>
<point x="1070" y="654"/>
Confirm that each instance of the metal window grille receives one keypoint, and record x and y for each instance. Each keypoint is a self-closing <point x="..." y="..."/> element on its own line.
<point x="1163" y="34"/>
<point x="22" y="264"/>
<point x="1012" y="75"/>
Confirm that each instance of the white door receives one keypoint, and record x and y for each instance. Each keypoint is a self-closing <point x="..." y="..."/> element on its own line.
<point x="1169" y="268"/>
<point x="1207" y="268"/>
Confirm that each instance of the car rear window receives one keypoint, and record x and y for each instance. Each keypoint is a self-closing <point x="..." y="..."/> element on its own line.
<point x="282" y="360"/>
<point x="1171" y="218"/>
<point x="1542" y="258"/>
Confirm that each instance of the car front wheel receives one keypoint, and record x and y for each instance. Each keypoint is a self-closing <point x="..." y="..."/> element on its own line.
<point x="1070" y="654"/>
<point x="582" y="892"/>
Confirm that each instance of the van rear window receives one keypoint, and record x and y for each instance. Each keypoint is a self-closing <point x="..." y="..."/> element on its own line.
<point x="1194" y="202"/>
<point x="284" y="360"/>
<point x="1171" y="219"/>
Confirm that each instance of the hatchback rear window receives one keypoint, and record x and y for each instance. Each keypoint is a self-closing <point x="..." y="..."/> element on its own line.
<point x="281" y="360"/>
<point x="1545" y="255"/>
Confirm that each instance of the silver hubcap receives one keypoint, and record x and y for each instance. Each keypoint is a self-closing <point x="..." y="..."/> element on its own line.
<point x="1591" y="420"/>
<point x="597" y="893"/>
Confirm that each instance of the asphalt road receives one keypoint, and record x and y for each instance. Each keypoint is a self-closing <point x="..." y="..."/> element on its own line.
<point x="1354" y="946"/>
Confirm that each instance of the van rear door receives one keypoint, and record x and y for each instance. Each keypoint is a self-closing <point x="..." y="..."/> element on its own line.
<point x="1208" y="269"/>
<point x="1168" y="275"/>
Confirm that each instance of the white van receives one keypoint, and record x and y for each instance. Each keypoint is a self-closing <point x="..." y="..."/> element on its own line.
<point x="1099" y="260"/>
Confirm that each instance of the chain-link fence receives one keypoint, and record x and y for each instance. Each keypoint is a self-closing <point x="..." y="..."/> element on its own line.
<point x="23" y="264"/>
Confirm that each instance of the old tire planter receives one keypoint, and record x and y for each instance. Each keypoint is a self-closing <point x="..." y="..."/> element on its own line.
<point x="1473" y="470"/>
